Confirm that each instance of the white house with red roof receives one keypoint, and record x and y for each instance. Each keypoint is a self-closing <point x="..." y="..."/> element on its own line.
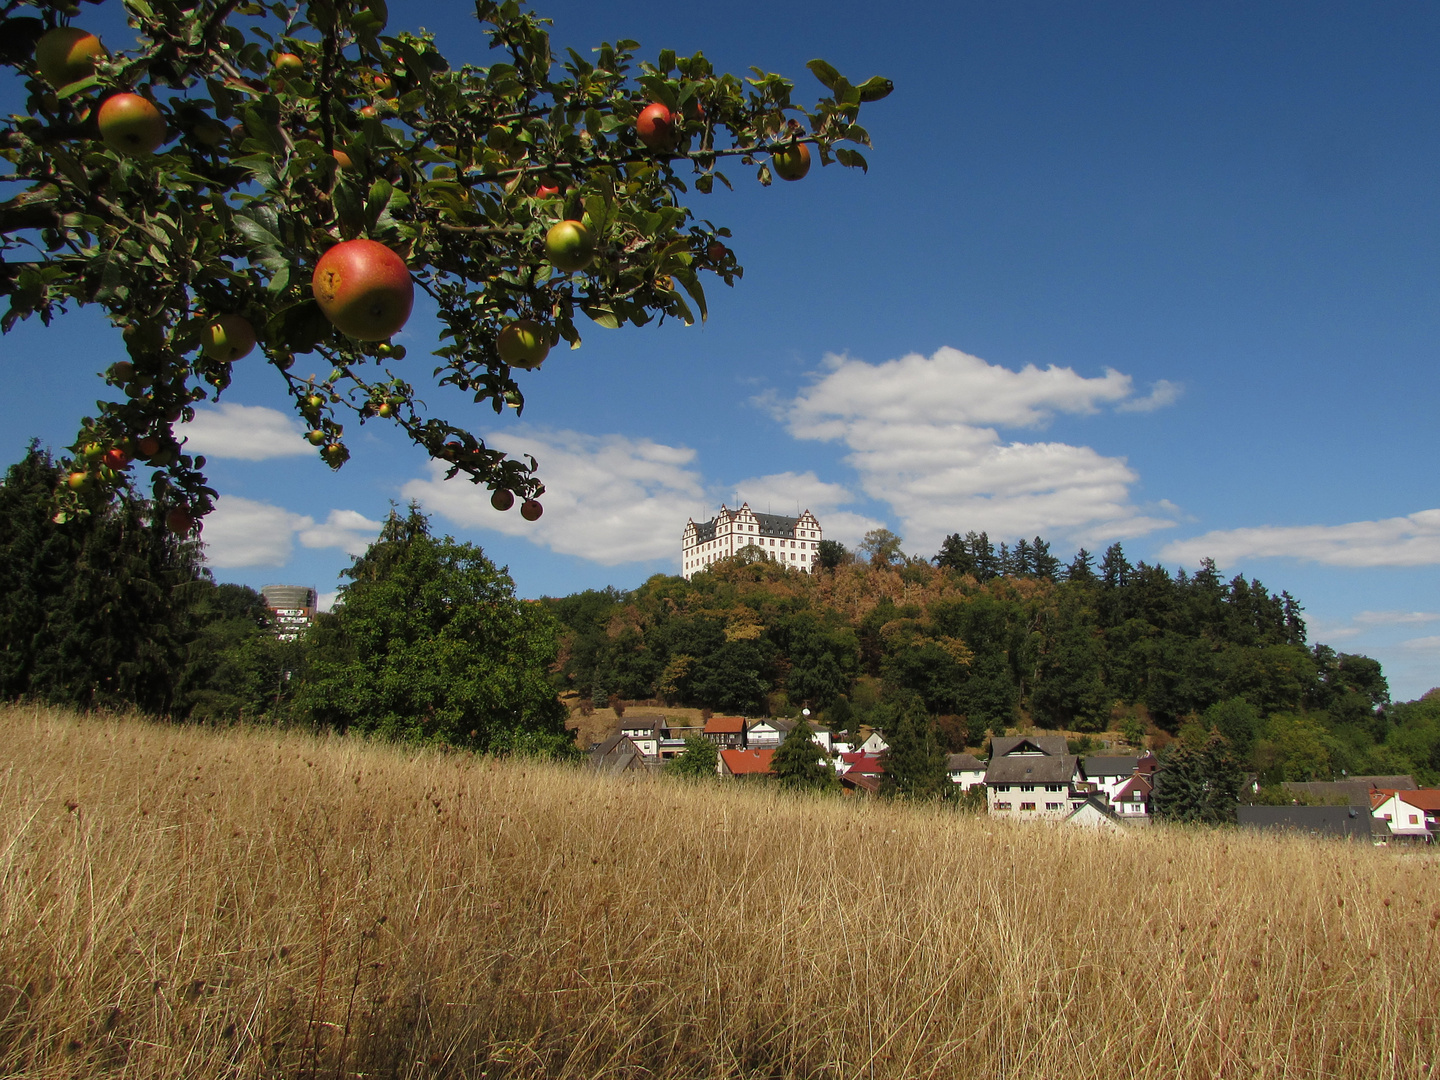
<point x="727" y="731"/>
<point x="1413" y="814"/>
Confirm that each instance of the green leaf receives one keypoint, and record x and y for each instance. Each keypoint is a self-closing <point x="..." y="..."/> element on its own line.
<point x="603" y="316"/>
<point x="875" y="89"/>
<point x="253" y="231"/>
<point x="851" y="159"/>
<point x="377" y="201"/>
<point x="827" y="75"/>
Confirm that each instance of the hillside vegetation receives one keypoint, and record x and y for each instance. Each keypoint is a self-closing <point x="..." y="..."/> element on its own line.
<point x="177" y="902"/>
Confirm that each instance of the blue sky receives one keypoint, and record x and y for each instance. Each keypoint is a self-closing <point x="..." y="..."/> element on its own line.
<point x="1160" y="273"/>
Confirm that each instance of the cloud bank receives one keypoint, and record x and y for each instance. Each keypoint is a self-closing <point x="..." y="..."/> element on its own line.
<point x="1413" y="540"/>
<point x="244" y="532"/>
<point x="609" y="498"/>
<point x="923" y="435"/>
<point x="247" y="432"/>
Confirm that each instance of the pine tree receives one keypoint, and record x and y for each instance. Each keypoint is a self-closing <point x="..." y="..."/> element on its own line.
<point x="1198" y="784"/>
<point x="1081" y="568"/>
<point x="955" y="555"/>
<point x="1044" y="564"/>
<point x="915" y="762"/>
<point x="982" y="551"/>
<point x="1114" y="570"/>
<point x="801" y="762"/>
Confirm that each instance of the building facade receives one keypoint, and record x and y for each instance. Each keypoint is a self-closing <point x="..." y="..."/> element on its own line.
<point x="293" y="608"/>
<point x="788" y="540"/>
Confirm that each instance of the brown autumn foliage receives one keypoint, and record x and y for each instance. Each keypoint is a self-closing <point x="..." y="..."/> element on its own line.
<point x="249" y="903"/>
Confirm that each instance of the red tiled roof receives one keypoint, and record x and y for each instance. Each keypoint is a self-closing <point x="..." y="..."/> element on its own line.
<point x="863" y="781"/>
<point x="1135" y="783"/>
<point x="725" y="725"/>
<point x="1423" y="799"/>
<point x="748" y="762"/>
<point x="863" y="763"/>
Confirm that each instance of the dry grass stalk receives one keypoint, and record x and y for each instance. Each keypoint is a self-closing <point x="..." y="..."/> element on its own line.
<point x="180" y="902"/>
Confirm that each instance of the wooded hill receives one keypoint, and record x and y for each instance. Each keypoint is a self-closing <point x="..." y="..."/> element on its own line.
<point x="987" y="640"/>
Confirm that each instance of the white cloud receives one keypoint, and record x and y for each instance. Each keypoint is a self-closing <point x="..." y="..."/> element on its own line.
<point x="1395" y="618"/>
<point x="922" y="434"/>
<point x="608" y="498"/>
<point x="349" y="530"/>
<point x="248" y="432"/>
<point x="1413" y="540"/>
<point x="244" y="532"/>
<point x="1423" y="644"/>
<point x="1161" y="394"/>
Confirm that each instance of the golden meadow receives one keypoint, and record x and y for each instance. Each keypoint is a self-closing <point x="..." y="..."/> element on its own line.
<point x="187" y="902"/>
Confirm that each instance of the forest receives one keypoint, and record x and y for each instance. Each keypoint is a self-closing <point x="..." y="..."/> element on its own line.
<point x="429" y="643"/>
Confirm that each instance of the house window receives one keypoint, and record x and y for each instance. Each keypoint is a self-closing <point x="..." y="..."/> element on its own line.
<point x="1053" y="805"/>
<point x="1027" y="806"/>
<point x="1052" y="787"/>
<point x="1002" y="806"/>
<point x="1027" y="787"/>
<point x="1002" y="787"/>
<point x="1413" y="819"/>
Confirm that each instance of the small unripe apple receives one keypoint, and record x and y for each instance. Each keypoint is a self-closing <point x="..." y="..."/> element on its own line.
<point x="333" y="454"/>
<point x="502" y="500"/>
<point x="364" y="289"/>
<point x="315" y="437"/>
<point x="369" y="112"/>
<point x="67" y="54"/>
<point x="123" y="371"/>
<point x="569" y="246"/>
<point x="287" y="63"/>
<point x="131" y="124"/>
<point x="531" y="510"/>
<point x="385" y="410"/>
<point x="92" y="451"/>
<point x="382" y="84"/>
<point x="77" y="480"/>
<point x="656" y="127"/>
<point x="180" y="521"/>
<point x="148" y="445"/>
<point x="313" y="402"/>
<point x="524" y="344"/>
<point x="792" y="163"/>
<point x="227" y="338"/>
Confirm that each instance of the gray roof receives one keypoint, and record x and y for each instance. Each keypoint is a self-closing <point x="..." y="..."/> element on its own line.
<point x="767" y="525"/>
<point x="1356" y="790"/>
<point x="1001" y="745"/>
<point x="1095" y="765"/>
<point x="964" y="763"/>
<point x="1049" y="769"/>
<point x="617" y="754"/>
<point x="1351" y="822"/>
<point x="1099" y="802"/>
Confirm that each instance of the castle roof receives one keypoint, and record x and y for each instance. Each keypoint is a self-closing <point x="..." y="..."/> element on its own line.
<point x="767" y="524"/>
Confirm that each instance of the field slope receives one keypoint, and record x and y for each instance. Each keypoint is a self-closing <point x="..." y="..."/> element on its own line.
<point x="186" y="902"/>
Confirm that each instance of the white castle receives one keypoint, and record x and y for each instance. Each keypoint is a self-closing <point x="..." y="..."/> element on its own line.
<point x="788" y="540"/>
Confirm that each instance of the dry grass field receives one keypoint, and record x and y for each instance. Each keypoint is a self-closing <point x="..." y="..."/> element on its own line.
<point x="197" y="903"/>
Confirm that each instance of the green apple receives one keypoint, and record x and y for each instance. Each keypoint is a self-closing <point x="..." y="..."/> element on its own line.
<point x="131" y="124"/>
<point x="791" y="163"/>
<point x="524" y="344"/>
<point x="569" y="246"/>
<point x="67" y="54"/>
<point x="227" y="338"/>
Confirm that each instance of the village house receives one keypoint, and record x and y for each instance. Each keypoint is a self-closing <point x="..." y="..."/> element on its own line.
<point x="965" y="770"/>
<point x="616" y="755"/>
<point x="859" y="763"/>
<point x="728" y="731"/>
<point x="770" y="731"/>
<point x="647" y="733"/>
<point x="1132" y="799"/>
<point x="1032" y="778"/>
<point x="1410" y="814"/>
<point x="1093" y="812"/>
<point x="874" y="744"/>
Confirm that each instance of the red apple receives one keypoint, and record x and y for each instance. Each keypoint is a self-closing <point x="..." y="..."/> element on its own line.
<point x="117" y="458"/>
<point x="569" y="246"/>
<point x="369" y="112"/>
<point x="148" y="446"/>
<point x="180" y="521"/>
<point x="502" y="500"/>
<point x="656" y="127"/>
<point x="524" y="344"/>
<point x="364" y="288"/>
<point x="531" y="510"/>
<point x="67" y="54"/>
<point x="227" y="338"/>
<point x="382" y="84"/>
<point x="385" y="410"/>
<point x="791" y="163"/>
<point x="547" y="187"/>
<point x="131" y="124"/>
<point x="717" y="252"/>
<point x="287" y="63"/>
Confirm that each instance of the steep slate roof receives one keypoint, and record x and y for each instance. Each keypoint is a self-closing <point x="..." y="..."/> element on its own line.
<point x="725" y="725"/>
<point x="1350" y="822"/>
<point x="747" y="762"/>
<point x="1096" y="765"/>
<point x="1001" y="745"/>
<point x="617" y="754"/>
<point x="964" y="763"/>
<point x="1049" y="769"/>
<point x="766" y="524"/>
<point x="1356" y="790"/>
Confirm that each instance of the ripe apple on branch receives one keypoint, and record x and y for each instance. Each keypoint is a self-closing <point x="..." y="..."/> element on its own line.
<point x="288" y="174"/>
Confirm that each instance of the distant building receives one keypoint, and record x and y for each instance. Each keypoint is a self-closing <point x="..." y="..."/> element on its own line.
<point x="789" y="540"/>
<point x="293" y="607"/>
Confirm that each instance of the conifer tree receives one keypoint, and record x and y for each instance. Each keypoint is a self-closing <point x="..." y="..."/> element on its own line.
<point x="801" y="762"/>
<point x="915" y="762"/>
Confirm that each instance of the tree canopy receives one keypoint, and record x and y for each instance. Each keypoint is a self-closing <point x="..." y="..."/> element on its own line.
<point x="192" y="185"/>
